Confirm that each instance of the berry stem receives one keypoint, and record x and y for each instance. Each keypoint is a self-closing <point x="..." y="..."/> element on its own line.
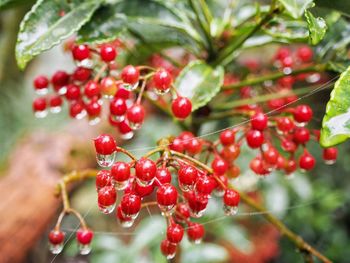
<point x="100" y="72"/>
<point x="122" y="150"/>
<point x="192" y="160"/>
<point x="142" y="90"/>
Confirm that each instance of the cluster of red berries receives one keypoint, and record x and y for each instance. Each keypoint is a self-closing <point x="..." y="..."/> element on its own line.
<point x="140" y="178"/>
<point x="85" y="87"/>
<point x="84" y="237"/>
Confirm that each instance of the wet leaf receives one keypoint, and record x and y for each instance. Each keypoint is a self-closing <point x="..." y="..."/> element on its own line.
<point x="317" y="27"/>
<point x="296" y="8"/>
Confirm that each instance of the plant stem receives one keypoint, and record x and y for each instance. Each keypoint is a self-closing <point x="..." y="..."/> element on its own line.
<point x="227" y="54"/>
<point x="221" y="115"/>
<point x="274" y="76"/>
<point x="263" y="98"/>
<point x="284" y="230"/>
<point x="203" y="19"/>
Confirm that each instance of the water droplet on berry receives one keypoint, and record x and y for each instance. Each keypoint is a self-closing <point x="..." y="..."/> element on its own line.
<point x="313" y="78"/>
<point x="80" y="115"/>
<point x="118" y="118"/>
<point x="300" y="124"/>
<point x="105" y="160"/>
<point x="196" y="241"/>
<point x="130" y="87"/>
<point x="126" y="223"/>
<point x="106" y="209"/>
<point x="62" y="90"/>
<point x="41" y="92"/>
<point x="94" y="120"/>
<point x="197" y="214"/>
<point x="40" y="114"/>
<point x="185" y="187"/>
<point x="287" y="70"/>
<point x="132" y="216"/>
<point x="56" y="249"/>
<point x="121" y="185"/>
<point x="170" y="256"/>
<point x="290" y="176"/>
<point x="85" y="63"/>
<point x="144" y="183"/>
<point x="127" y="136"/>
<point x="329" y="162"/>
<point x="84" y="249"/>
<point x="161" y="92"/>
<point x="56" y="109"/>
<point x="135" y="126"/>
<point x="230" y="210"/>
<point x="166" y="210"/>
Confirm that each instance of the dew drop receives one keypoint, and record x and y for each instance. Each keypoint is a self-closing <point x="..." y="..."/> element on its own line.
<point x="106" y="209"/>
<point x="84" y="249"/>
<point x="230" y="210"/>
<point x="56" y="249"/>
<point x="105" y="160"/>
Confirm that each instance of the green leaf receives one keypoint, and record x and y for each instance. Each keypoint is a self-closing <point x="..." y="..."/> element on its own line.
<point x="317" y="27"/>
<point x="43" y="27"/>
<point x="336" y="122"/>
<point x="341" y="6"/>
<point x="296" y="8"/>
<point x="289" y="31"/>
<point x="199" y="82"/>
<point x="13" y="3"/>
<point x="154" y="20"/>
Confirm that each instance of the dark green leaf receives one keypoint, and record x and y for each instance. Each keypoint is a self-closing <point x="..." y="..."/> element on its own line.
<point x="336" y="122"/>
<point x="154" y="20"/>
<point x="341" y="6"/>
<point x="13" y="3"/>
<point x="296" y="8"/>
<point x="338" y="66"/>
<point x="291" y="31"/>
<point x="43" y="27"/>
<point x="199" y="82"/>
<point x="317" y="27"/>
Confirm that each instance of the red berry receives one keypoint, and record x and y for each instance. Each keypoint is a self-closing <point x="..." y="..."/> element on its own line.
<point x="181" y="107"/>
<point x="227" y="137"/>
<point x="130" y="205"/>
<point x="177" y="145"/>
<point x="135" y="115"/>
<point x="167" y="195"/>
<point x="231" y="197"/>
<point x="162" y="80"/>
<point x="330" y="154"/>
<point x="286" y="81"/>
<point x="124" y="127"/>
<point x="76" y="108"/>
<point x="118" y="107"/>
<point x="194" y="146"/>
<point x="205" y="185"/>
<point x="285" y="124"/>
<point x="287" y="62"/>
<point x="56" y="237"/>
<point x="257" y="166"/>
<point x="130" y="75"/>
<point x="145" y="170"/>
<point x="122" y="93"/>
<point x="108" y="86"/>
<point x="92" y="89"/>
<point x="120" y="171"/>
<point x="307" y="161"/>
<point x="259" y="121"/>
<point x="301" y="135"/>
<point x="163" y="176"/>
<point x="195" y="232"/>
<point x="81" y="52"/>
<point x="175" y="233"/>
<point x="39" y="104"/>
<point x="105" y="144"/>
<point x="93" y="108"/>
<point x="219" y="166"/>
<point x="182" y="212"/>
<point x="187" y="175"/>
<point x="55" y="101"/>
<point x="197" y="203"/>
<point x="121" y="217"/>
<point x="254" y="138"/>
<point x="231" y="152"/>
<point x="73" y="92"/>
<point x="271" y="155"/>
<point x="60" y="79"/>
<point x="168" y="249"/>
<point x="290" y="166"/>
<point x="186" y="137"/>
<point x="107" y="196"/>
<point x="282" y="53"/>
<point x="143" y="191"/>
<point x="108" y="52"/>
<point x="302" y="113"/>
<point x="103" y="179"/>
<point x="305" y="54"/>
<point x="41" y="82"/>
<point x="81" y="74"/>
<point x="84" y="236"/>
<point x="288" y="146"/>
